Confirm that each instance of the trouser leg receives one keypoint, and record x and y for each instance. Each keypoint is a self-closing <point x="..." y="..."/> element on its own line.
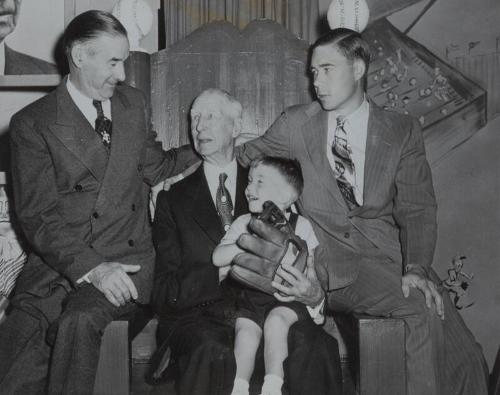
<point x="377" y="291"/>
<point x="24" y="352"/>
<point x="76" y="340"/>
<point x="313" y="363"/>
<point x="466" y="369"/>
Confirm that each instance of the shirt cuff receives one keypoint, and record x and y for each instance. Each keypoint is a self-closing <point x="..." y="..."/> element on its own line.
<point x="316" y="313"/>
<point x="84" y="278"/>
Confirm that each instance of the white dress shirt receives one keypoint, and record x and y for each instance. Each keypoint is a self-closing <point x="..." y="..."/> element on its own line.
<point x="84" y="104"/>
<point x="356" y="128"/>
<point x="212" y="175"/>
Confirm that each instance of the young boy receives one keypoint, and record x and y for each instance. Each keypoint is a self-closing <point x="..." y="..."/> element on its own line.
<point x="280" y="181"/>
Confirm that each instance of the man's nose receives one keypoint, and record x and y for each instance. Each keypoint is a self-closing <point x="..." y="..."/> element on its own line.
<point x="315" y="79"/>
<point x="200" y="124"/>
<point x="120" y="72"/>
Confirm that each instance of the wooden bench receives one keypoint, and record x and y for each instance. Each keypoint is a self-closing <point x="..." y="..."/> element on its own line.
<point x="376" y="351"/>
<point x="375" y="348"/>
<point x="113" y="369"/>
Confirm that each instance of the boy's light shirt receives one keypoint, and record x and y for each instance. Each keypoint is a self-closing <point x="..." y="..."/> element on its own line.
<point x="239" y="226"/>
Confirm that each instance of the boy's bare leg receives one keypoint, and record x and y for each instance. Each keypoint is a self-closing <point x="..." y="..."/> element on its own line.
<point x="276" y="328"/>
<point x="246" y="343"/>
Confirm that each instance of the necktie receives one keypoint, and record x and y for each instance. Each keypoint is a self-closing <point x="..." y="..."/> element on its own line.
<point x="103" y="125"/>
<point x="344" y="166"/>
<point x="224" y="203"/>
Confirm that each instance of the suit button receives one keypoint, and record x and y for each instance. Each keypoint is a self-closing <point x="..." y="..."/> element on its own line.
<point x="133" y="207"/>
<point x="78" y="188"/>
<point x="131" y="243"/>
<point x="347" y="235"/>
<point x="95" y="215"/>
<point x="140" y="167"/>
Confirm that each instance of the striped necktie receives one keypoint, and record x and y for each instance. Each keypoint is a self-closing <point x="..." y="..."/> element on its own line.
<point x="344" y="166"/>
<point x="224" y="203"/>
<point x="103" y="125"/>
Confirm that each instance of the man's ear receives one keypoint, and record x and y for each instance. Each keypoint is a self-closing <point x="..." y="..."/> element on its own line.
<point x="238" y="127"/>
<point x="359" y="68"/>
<point x="78" y="53"/>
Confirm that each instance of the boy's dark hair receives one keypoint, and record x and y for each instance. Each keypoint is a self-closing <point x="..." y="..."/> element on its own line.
<point x="289" y="168"/>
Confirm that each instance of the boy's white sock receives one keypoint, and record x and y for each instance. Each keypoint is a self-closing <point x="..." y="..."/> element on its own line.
<point x="272" y="385"/>
<point x="240" y="387"/>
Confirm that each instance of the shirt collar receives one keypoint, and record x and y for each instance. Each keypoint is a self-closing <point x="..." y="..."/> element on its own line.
<point x="84" y="103"/>
<point x="78" y="97"/>
<point x="230" y="169"/>
<point x="357" y="120"/>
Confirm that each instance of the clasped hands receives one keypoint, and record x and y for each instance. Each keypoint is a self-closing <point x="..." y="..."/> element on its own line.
<point x="112" y="279"/>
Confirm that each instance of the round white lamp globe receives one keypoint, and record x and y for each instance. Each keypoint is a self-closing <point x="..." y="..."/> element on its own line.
<point x="350" y="14"/>
<point x="137" y="17"/>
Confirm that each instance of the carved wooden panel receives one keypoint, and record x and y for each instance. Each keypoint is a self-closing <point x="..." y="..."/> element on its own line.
<point x="263" y="66"/>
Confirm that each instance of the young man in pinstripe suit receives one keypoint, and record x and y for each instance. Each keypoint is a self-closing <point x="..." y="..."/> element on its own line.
<point x="368" y="193"/>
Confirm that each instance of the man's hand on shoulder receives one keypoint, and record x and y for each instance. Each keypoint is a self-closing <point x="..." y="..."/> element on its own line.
<point x="416" y="279"/>
<point x="112" y="279"/>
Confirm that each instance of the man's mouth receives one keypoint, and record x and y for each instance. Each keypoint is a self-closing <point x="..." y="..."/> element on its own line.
<point x="252" y="198"/>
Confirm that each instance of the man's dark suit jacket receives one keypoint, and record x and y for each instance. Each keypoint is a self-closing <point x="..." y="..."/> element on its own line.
<point x="186" y="231"/>
<point x="17" y="63"/>
<point x="77" y="205"/>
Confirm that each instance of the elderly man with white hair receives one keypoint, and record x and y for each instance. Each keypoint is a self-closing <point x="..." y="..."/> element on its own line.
<point x="195" y="302"/>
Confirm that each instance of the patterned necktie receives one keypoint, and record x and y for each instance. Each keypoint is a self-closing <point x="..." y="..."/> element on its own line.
<point x="224" y="203"/>
<point x="344" y="166"/>
<point x="103" y="125"/>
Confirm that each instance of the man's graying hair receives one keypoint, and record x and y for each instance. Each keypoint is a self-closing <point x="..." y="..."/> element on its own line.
<point x="233" y="107"/>
<point x="90" y="25"/>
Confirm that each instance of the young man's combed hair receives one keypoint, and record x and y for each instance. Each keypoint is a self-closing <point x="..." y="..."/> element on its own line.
<point x="348" y="42"/>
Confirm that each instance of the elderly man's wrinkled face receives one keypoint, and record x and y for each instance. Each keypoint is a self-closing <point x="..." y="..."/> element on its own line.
<point x="212" y="128"/>
<point x="9" y="14"/>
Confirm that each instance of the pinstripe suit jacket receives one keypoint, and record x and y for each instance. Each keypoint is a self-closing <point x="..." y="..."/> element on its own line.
<point x="397" y="222"/>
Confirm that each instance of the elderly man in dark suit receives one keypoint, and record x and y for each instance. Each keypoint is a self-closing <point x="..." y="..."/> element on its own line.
<point x="11" y="61"/>
<point x="193" y="299"/>
<point x="368" y="193"/>
<point x="83" y="160"/>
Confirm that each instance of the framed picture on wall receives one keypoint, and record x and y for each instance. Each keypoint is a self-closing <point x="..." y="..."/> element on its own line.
<point x="29" y="33"/>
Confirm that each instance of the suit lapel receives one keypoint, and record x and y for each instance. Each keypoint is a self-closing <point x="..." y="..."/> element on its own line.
<point x="315" y="138"/>
<point x="77" y="135"/>
<point x="203" y="209"/>
<point x="123" y="142"/>
<point x="377" y="153"/>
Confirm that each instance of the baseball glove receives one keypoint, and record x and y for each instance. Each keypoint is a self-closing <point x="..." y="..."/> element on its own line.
<point x="273" y="237"/>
